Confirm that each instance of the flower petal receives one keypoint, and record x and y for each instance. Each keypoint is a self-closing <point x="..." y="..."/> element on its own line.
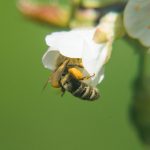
<point x="49" y="59"/>
<point x="79" y="44"/>
<point x="137" y="20"/>
<point x="94" y="58"/>
<point x="69" y="44"/>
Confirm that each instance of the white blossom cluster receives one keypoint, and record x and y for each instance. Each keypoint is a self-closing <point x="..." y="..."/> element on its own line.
<point x="94" y="45"/>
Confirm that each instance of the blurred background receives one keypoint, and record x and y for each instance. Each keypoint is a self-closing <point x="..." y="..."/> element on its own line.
<point x="35" y="120"/>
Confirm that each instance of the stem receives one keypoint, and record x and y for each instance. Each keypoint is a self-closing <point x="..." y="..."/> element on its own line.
<point x="144" y="62"/>
<point x="140" y="109"/>
<point x="146" y="65"/>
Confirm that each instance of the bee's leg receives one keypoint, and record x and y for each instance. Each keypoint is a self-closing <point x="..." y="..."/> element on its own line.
<point x="74" y="65"/>
<point x="62" y="90"/>
<point x="87" y="77"/>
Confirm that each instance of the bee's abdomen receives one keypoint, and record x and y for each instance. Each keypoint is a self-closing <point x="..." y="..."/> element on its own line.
<point x="86" y="92"/>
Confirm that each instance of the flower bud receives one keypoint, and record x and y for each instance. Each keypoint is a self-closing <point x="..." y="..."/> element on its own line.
<point x="84" y="18"/>
<point x="51" y="14"/>
<point x="109" y="28"/>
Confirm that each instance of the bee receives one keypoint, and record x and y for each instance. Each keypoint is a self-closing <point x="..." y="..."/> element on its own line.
<point x="68" y="77"/>
<point x="78" y="88"/>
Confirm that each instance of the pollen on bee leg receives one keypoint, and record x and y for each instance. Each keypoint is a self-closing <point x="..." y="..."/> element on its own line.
<point x="55" y="85"/>
<point x="76" y="73"/>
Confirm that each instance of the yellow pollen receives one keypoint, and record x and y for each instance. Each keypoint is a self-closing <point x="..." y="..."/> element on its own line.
<point x="76" y="73"/>
<point x="55" y="84"/>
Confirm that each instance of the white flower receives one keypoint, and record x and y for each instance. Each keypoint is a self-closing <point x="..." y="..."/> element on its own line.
<point x="109" y="28"/>
<point x="78" y="43"/>
<point x="137" y="20"/>
<point x="93" y="46"/>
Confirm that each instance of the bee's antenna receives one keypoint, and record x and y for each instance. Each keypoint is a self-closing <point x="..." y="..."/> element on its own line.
<point x="45" y="85"/>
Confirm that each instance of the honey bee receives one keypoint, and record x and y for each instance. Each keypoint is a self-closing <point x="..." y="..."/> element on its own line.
<point x="68" y="77"/>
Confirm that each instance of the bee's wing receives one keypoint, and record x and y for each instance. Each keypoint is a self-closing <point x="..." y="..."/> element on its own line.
<point x="56" y="75"/>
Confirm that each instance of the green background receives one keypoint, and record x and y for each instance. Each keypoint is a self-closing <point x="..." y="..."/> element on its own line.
<point x="35" y="120"/>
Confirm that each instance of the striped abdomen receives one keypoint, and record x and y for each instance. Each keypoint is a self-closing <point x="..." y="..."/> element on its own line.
<point x="79" y="88"/>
